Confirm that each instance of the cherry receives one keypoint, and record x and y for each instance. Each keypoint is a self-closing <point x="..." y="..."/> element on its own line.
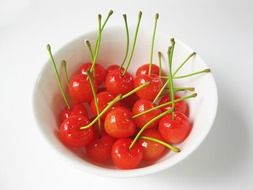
<point x="152" y="151"/>
<point x="100" y="72"/>
<point x="181" y="106"/>
<point x="80" y="89"/>
<point x="103" y="98"/>
<point x="71" y="134"/>
<point x="175" y="130"/>
<point x="129" y="101"/>
<point x="140" y="106"/>
<point x="118" y="123"/>
<point x="125" y="158"/>
<point x="149" y="92"/>
<point x="117" y="83"/>
<point x="99" y="150"/>
<point x="144" y="69"/>
<point x="77" y="109"/>
<point x="112" y="67"/>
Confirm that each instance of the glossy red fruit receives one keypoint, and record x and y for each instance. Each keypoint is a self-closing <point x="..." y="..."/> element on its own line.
<point x="129" y="101"/>
<point x="144" y="69"/>
<point x="140" y="106"/>
<point x="80" y="88"/>
<point x="175" y="131"/>
<point x="99" y="150"/>
<point x="77" y="109"/>
<point x="71" y="134"/>
<point x="100" y="71"/>
<point x="116" y="83"/>
<point x="124" y="158"/>
<point x="152" y="151"/>
<point x="112" y="67"/>
<point x="118" y="123"/>
<point x="103" y="98"/>
<point x="181" y="106"/>
<point x="149" y="92"/>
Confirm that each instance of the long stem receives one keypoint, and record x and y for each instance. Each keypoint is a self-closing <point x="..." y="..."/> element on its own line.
<point x="161" y="91"/>
<point x="127" y="40"/>
<point x="96" y="100"/>
<point x="192" y="74"/>
<point x="152" y="45"/>
<point x="64" y="65"/>
<point x="160" y="62"/>
<point x="106" y="20"/>
<point x="165" y="104"/>
<point x="183" y="63"/>
<point x="147" y="124"/>
<point x="135" y="90"/>
<point x="135" y="38"/>
<point x="184" y="89"/>
<point x="171" y="83"/>
<point x="57" y="76"/>
<point x="88" y="44"/>
<point x="169" y="146"/>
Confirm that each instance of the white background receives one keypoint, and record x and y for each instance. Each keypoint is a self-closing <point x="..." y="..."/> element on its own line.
<point x="220" y="31"/>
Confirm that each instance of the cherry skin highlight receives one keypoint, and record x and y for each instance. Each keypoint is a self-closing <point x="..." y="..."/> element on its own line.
<point x="123" y="158"/>
<point x="118" y="123"/>
<point x="149" y="92"/>
<point x="77" y="109"/>
<point x="144" y="69"/>
<point x="175" y="131"/>
<point x="140" y="106"/>
<point x="71" y="134"/>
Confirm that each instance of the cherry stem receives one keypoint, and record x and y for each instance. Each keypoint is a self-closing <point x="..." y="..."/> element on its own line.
<point x="160" y="62"/>
<point x="185" y="89"/>
<point x="127" y="40"/>
<point x="135" y="38"/>
<point x="97" y="45"/>
<point x="147" y="124"/>
<point x="64" y="65"/>
<point x="164" y="104"/>
<point x="171" y="83"/>
<point x="161" y="90"/>
<point x="95" y="99"/>
<point x="106" y="20"/>
<point x="192" y="74"/>
<point x="152" y="45"/>
<point x="88" y="44"/>
<point x="167" y="145"/>
<point x="52" y="61"/>
<point x="111" y="103"/>
<point x="184" y="62"/>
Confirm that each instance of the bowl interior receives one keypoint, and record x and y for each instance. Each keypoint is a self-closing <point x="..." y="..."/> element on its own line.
<point x="48" y="102"/>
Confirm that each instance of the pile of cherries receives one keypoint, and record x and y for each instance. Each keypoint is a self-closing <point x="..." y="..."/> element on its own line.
<point x="134" y="118"/>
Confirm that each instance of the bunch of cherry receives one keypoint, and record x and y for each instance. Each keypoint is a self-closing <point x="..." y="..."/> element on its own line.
<point x="135" y="118"/>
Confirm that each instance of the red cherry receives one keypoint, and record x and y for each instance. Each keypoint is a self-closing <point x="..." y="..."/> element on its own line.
<point x="149" y="92"/>
<point x="77" y="109"/>
<point x="129" y="101"/>
<point x="99" y="150"/>
<point x="116" y="84"/>
<point x="181" y="106"/>
<point x="143" y="70"/>
<point x="80" y="88"/>
<point x="100" y="72"/>
<point x="175" y="131"/>
<point x="112" y="67"/>
<point x="140" y="106"/>
<point x="124" y="158"/>
<point x="118" y="123"/>
<point x="71" y="134"/>
<point x="152" y="151"/>
<point x="103" y="98"/>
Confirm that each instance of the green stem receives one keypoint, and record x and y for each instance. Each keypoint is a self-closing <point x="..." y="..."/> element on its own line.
<point x="88" y="44"/>
<point x="57" y="76"/>
<point x="135" y="38"/>
<point x="95" y="100"/>
<point x="184" y="89"/>
<point x="161" y="90"/>
<point x="127" y="40"/>
<point x="135" y="90"/>
<point x="147" y="124"/>
<point x="64" y="64"/>
<point x="183" y="63"/>
<point x="106" y="20"/>
<point x="169" y="146"/>
<point x="160" y="62"/>
<point x="165" y="104"/>
<point x="192" y="74"/>
<point x="152" y="45"/>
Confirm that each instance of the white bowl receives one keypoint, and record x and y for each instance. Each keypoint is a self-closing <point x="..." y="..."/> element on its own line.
<point x="48" y="103"/>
